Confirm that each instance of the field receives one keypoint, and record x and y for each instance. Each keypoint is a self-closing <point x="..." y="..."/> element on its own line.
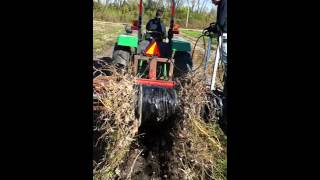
<point x="191" y="33"/>
<point x="188" y="146"/>
<point x="104" y="35"/>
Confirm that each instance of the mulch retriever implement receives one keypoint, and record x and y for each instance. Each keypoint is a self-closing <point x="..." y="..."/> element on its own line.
<point x="155" y="61"/>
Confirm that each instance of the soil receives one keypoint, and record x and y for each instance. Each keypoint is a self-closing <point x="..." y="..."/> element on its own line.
<point x="154" y="144"/>
<point x="149" y="156"/>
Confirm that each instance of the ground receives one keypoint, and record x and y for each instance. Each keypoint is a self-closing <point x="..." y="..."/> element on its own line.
<point x="155" y="153"/>
<point x="104" y="35"/>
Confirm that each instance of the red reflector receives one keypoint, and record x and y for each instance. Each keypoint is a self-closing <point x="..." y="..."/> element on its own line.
<point x="153" y="49"/>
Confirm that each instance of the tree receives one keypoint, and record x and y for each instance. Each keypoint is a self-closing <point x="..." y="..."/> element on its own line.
<point x="198" y="8"/>
<point x="178" y="3"/>
<point x="160" y="4"/>
<point x="187" y="19"/>
<point x="121" y="3"/>
<point x="149" y="4"/>
<point x="204" y="3"/>
<point x="193" y="5"/>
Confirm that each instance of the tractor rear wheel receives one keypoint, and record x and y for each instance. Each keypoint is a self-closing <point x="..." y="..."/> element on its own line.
<point x="183" y="63"/>
<point x="121" y="56"/>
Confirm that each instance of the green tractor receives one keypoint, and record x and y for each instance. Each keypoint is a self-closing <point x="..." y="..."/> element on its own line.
<point x="156" y="63"/>
<point x="133" y="42"/>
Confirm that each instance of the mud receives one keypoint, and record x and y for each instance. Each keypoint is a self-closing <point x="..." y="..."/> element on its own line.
<point x="154" y="144"/>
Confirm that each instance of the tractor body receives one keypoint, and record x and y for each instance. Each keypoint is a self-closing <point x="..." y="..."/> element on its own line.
<point x="155" y="64"/>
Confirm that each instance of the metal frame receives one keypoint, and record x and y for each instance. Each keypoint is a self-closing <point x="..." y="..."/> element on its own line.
<point x="215" y="66"/>
<point x="218" y="57"/>
<point x="152" y="80"/>
<point x="153" y="65"/>
<point x="153" y="61"/>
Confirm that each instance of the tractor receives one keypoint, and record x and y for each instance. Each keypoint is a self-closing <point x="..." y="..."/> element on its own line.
<point x="155" y="65"/>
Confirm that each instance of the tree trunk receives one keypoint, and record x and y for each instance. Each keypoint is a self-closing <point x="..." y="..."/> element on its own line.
<point x="203" y="6"/>
<point x="198" y="9"/>
<point x="193" y="5"/>
<point x="187" y="16"/>
<point x="149" y="3"/>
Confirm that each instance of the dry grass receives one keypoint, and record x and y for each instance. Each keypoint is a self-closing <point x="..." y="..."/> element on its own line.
<point x="199" y="149"/>
<point x="198" y="60"/>
<point x="116" y="121"/>
<point x="104" y="35"/>
<point x="199" y="152"/>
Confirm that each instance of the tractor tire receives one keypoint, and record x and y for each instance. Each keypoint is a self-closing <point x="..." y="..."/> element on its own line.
<point x="183" y="63"/>
<point x="223" y="121"/>
<point x="121" y="56"/>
